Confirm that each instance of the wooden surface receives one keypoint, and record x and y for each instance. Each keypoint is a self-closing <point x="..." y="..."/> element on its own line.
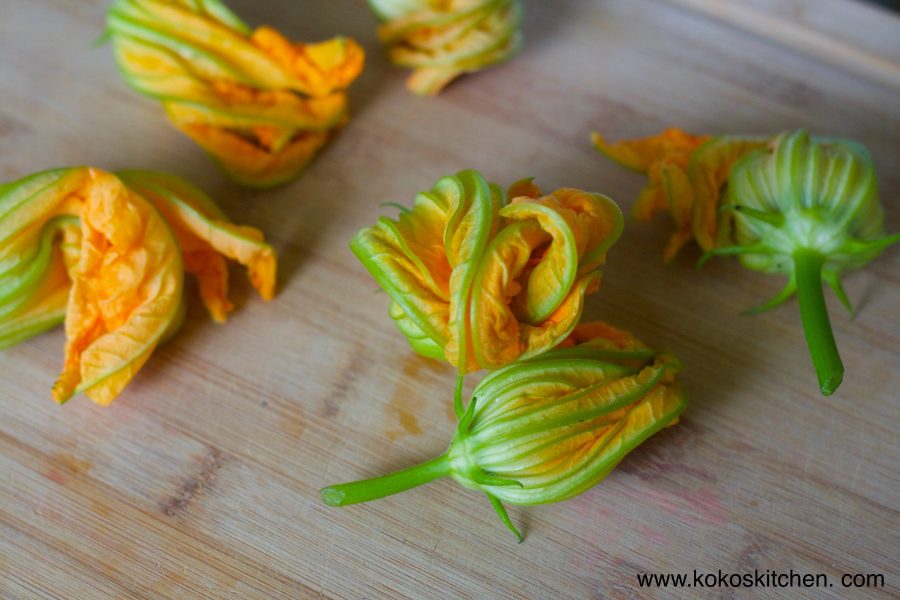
<point x="202" y="479"/>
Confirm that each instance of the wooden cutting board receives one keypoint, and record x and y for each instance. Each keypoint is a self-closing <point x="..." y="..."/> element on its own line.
<point x="202" y="479"/>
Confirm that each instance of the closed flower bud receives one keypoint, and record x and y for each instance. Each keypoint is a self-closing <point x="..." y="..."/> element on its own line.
<point x="441" y="41"/>
<point x="258" y="104"/>
<point x="547" y="429"/>
<point x="802" y="192"/>
<point x="803" y="206"/>
<point x="806" y="207"/>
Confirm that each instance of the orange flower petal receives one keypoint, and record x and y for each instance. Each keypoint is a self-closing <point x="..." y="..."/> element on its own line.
<point x="672" y="146"/>
<point x="600" y="333"/>
<point x="249" y="163"/>
<point x="664" y="159"/>
<point x="322" y="68"/>
<point x="686" y="174"/>
<point x="206" y="238"/>
<point x="524" y="187"/>
<point x="709" y="170"/>
<point x="126" y="292"/>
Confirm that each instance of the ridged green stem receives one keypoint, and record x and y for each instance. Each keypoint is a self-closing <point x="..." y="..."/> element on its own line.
<point x="386" y="485"/>
<point x="819" y="337"/>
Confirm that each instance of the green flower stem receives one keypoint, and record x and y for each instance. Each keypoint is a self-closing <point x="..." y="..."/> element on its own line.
<point x="816" y="326"/>
<point x="458" y="407"/>
<point x="386" y="485"/>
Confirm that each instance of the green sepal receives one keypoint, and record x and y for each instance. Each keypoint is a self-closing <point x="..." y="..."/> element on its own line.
<point x="504" y="516"/>
<point x="777" y="300"/>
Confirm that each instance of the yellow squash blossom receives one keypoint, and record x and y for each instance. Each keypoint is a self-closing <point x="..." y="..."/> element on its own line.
<point x="481" y="282"/>
<point x="806" y="207"/>
<point x="442" y="39"/>
<point x="108" y="253"/>
<point x="687" y="174"/>
<point x="258" y="104"/>
<point x="800" y="205"/>
<point x="549" y="428"/>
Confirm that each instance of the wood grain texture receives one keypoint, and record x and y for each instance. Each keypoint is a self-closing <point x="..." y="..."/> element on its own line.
<point x="852" y="35"/>
<point x="202" y="479"/>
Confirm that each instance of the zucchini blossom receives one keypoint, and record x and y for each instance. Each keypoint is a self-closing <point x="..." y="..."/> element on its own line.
<point x="800" y="205"/>
<point x="442" y="39"/>
<point x="107" y="255"/>
<point x="548" y="428"/>
<point x="258" y="104"/>
<point x="482" y="282"/>
<point x="686" y="174"/>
